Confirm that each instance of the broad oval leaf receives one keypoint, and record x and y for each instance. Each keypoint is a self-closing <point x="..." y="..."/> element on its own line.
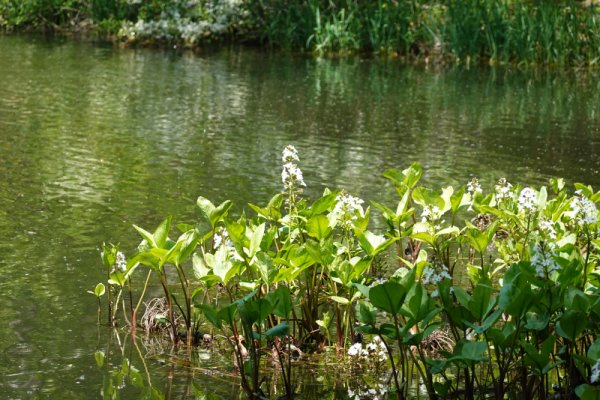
<point x="388" y="297"/>
<point x="99" y="290"/>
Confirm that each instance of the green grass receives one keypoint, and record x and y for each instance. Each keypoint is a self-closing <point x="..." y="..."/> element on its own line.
<point x="525" y="32"/>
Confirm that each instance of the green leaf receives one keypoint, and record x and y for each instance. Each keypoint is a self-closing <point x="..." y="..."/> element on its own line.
<point x="341" y="300"/>
<point x="211" y="314"/>
<point x="188" y="242"/>
<point x="147" y="258"/>
<point x="416" y="304"/>
<point x="387" y="213"/>
<point x="99" y="356"/>
<point x="412" y="174"/>
<point x="147" y="236"/>
<point x="480" y="301"/>
<point x="367" y="314"/>
<point x="279" y="330"/>
<point x="323" y="204"/>
<point x="588" y="392"/>
<point x="537" y="322"/>
<point x="395" y="176"/>
<point x="282" y="302"/>
<point x="469" y="351"/>
<point x="117" y="278"/>
<point x="265" y="267"/>
<point x="571" y="324"/>
<point x="594" y="350"/>
<point x="237" y="233"/>
<point x="515" y="296"/>
<point x="557" y="185"/>
<point x="577" y="300"/>
<point x="428" y="197"/>
<point x="222" y="265"/>
<point x="388" y="297"/>
<point x="199" y="267"/>
<point x="206" y="207"/>
<point x="542" y="198"/>
<point x="408" y="177"/>
<point x="256" y="237"/>
<point x="218" y="213"/>
<point x="162" y="232"/>
<point x="318" y="227"/>
<point x="227" y="313"/>
<point x="99" y="290"/>
<point x="456" y="200"/>
<point x="371" y="243"/>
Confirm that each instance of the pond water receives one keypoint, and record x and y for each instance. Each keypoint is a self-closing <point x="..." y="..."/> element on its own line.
<point x="93" y="139"/>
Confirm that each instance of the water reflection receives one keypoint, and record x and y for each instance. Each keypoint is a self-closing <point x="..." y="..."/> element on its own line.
<point x="147" y="367"/>
<point x="93" y="139"/>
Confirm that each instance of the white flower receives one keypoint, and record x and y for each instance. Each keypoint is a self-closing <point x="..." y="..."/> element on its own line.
<point x="546" y="226"/>
<point x="355" y="350"/>
<point x="221" y="237"/>
<point x="434" y="274"/>
<point x="290" y="154"/>
<point x="595" y="377"/>
<point x="528" y="200"/>
<point x="121" y="262"/>
<point x="473" y="186"/>
<point x="585" y="210"/>
<point x="347" y="209"/>
<point x="291" y="176"/>
<point x="503" y="189"/>
<point x="431" y="214"/>
<point x="543" y="261"/>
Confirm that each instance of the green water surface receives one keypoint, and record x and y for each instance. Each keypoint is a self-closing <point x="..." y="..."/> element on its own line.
<point x="93" y="139"/>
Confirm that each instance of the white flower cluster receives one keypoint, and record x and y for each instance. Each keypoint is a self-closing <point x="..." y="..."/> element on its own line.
<point x="528" y="200"/>
<point x="289" y="154"/>
<point x="291" y="175"/>
<point x="374" y="351"/>
<point x="434" y="274"/>
<point x="220" y="237"/>
<point x="585" y="210"/>
<point x="474" y="187"/>
<point x="543" y="261"/>
<point x="120" y="263"/>
<point x="431" y="214"/>
<point x="375" y="393"/>
<point x="503" y="189"/>
<point x="219" y="16"/>
<point x="595" y="377"/>
<point x="547" y="227"/>
<point x="347" y="208"/>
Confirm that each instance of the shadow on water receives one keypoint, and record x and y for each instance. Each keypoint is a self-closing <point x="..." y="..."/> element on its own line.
<point x="149" y="368"/>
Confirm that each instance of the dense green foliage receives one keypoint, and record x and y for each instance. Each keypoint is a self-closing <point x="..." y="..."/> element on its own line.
<point x="564" y="32"/>
<point x="511" y="280"/>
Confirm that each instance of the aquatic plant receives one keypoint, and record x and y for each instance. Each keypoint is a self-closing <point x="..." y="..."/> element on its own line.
<point x="522" y="319"/>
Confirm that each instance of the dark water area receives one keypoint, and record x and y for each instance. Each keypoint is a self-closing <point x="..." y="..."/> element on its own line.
<point x="93" y="139"/>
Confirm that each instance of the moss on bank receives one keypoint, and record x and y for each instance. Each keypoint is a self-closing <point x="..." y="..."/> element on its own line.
<point x="564" y="32"/>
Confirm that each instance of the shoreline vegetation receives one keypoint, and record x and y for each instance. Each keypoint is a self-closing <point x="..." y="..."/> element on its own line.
<point x="558" y="33"/>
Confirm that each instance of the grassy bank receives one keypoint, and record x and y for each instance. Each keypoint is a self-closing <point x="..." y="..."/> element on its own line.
<point x="560" y="32"/>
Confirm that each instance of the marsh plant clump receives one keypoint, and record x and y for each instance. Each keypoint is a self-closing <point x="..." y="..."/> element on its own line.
<point x="297" y="275"/>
